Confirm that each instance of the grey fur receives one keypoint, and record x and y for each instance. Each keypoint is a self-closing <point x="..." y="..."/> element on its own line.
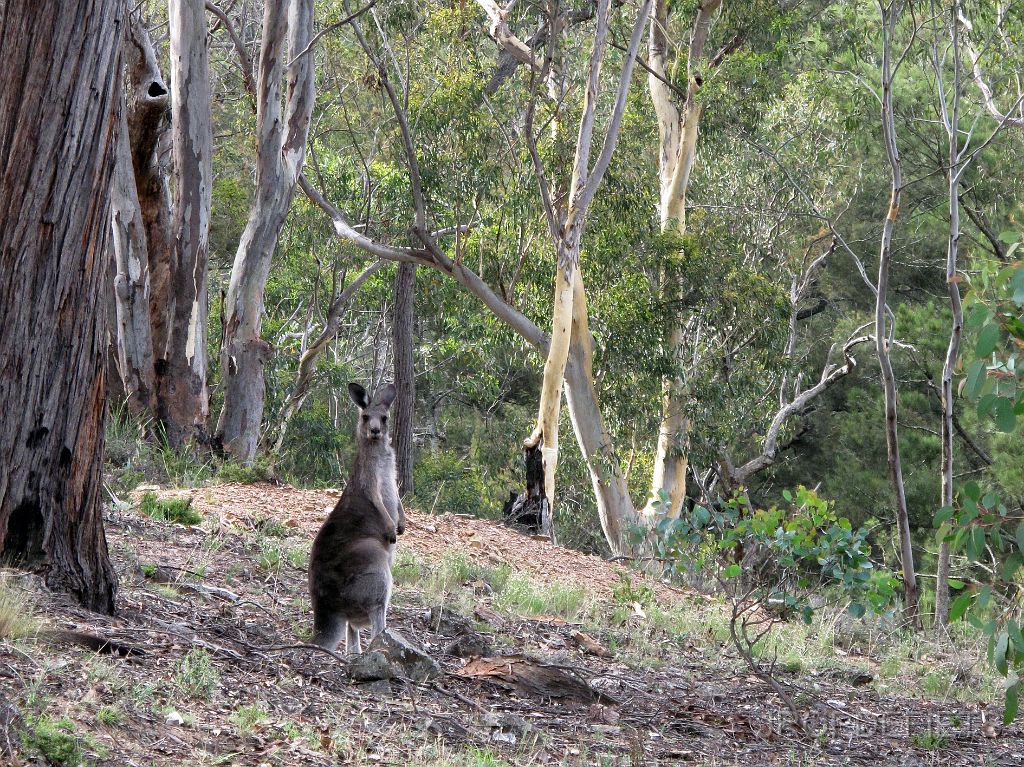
<point x="350" y="564"/>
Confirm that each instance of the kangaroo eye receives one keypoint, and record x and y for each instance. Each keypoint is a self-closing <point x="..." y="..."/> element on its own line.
<point x="366" y="418"/>
<point x="383" y="419"/>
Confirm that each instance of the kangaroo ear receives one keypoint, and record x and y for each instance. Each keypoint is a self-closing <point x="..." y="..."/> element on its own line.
<point x="358" y="395"/>
<point x="386" y="395"/>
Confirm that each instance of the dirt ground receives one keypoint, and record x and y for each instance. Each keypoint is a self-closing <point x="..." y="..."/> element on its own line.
<point x="214" y="676"/>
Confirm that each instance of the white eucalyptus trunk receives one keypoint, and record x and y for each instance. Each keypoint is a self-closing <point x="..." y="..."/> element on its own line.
<point x="133" y="338"/>
<point x="185" y="400"/>
<point x="889" y="20"/>
<point x="678" y="132"/>
<point x="281" y="150"/>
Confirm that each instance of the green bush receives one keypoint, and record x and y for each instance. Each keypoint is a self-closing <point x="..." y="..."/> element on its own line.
<point x="241" y="474"/>
<point x="52" y="739"/>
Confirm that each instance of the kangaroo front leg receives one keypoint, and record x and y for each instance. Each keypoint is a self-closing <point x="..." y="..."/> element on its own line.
<point x="382" y="509"/>
<point x="401" y="517"/>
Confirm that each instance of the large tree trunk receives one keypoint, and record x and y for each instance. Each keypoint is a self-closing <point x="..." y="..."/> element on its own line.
<point x="405" y="374"/>
<point x="57" y="135"/>
<point x="889" y="19"/>
<point x="280" y="152"/>
<point x="131" y="328"/>
<point x="185" y="400"/>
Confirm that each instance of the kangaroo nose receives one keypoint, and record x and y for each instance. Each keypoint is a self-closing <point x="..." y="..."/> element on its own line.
<point x="375" y="430"/>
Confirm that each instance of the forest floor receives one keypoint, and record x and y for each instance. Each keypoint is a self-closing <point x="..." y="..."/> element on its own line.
<point x="617" y="669"/>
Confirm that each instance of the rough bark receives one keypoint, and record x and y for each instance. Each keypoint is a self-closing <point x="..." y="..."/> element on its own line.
<point x="131" y="329"/>
<point x="281" y="148"/>
<point x="405" y="374"/>
<point x="57" y="135"/>
<point x="185" y="400"/>
<point x="882" y="338"/>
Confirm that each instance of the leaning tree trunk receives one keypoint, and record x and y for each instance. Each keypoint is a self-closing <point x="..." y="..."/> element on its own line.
<point x="57" y="136"/>
<point x="405" y="374"/>
<point x="280" y="151"/>
<point x="615" y="507"/>
<point x="881" y="332"/>
<point x="185" y="399"/>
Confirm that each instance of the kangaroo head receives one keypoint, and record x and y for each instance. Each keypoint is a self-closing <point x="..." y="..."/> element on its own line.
<point x="373" y="414"/>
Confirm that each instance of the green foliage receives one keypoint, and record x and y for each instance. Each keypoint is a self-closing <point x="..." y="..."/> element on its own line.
<point x="799" y="547"/>
<point x="445" y="482"/>
<point x="169" y="509"/>
<point x="55" y="740"/>
<point x="246" y="718"/>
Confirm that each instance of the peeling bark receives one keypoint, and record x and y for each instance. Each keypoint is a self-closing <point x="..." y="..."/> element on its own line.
<point x="148" y="128"/>
<point x="678" y="134"/>
<point x="281" y="150"/>
<point x="57" y="136"/>
<point x="185" y="399"/>
<point x="131" y="330"/>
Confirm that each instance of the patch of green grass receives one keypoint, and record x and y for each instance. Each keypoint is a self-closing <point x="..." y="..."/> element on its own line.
<point x="184" y="468"/>
<point x="271" y="527"/>
<point x="197" y="678"/>
<point x="143" y="695"/>
<point x="245" y="718"/>
<point x="55" y="740"/>
<point x="169" y="509"/>
<point x="269" y="557"/>
<point x="166" y="590"/>
<point x="930" y="740"/>
<point x="407" y="569"/>
<point x="522" y="596"/>
<point x="16" y="617"/>
<point x="298" y="556"/>
<point x="109" y="715"/>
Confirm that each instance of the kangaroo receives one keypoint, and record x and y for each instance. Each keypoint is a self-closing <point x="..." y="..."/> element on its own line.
<point x="350" y="563"/>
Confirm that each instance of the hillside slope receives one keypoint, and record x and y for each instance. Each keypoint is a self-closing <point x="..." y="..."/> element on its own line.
<point x="212" y="614"/>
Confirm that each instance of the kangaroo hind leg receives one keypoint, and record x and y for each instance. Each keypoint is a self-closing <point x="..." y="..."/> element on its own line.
<point x="352" y="643"/>
<point x="328" y="631"/>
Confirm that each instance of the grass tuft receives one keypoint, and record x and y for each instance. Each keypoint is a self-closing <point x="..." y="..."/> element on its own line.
<point x="169" y="509"/>
<point x="16" y="616"/>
